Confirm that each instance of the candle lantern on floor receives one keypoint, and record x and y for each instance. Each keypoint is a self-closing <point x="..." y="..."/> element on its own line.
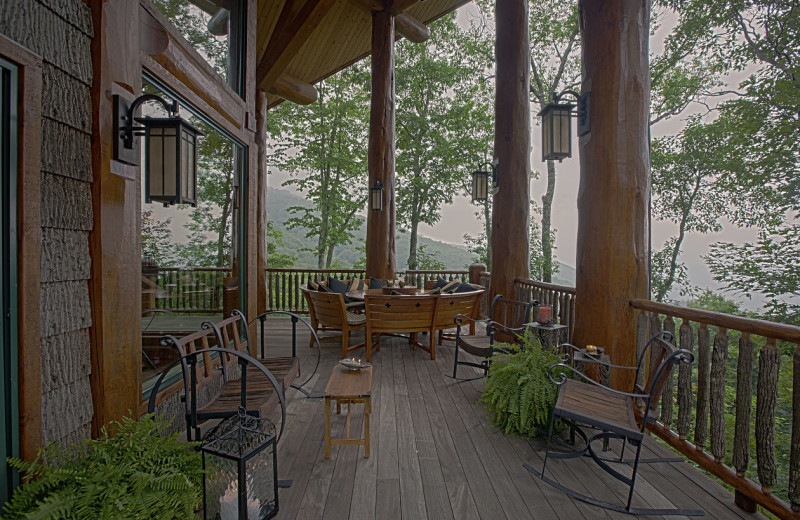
<point x="241" y="471"/>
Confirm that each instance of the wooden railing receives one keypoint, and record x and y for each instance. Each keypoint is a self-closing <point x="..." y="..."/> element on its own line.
<point x="724" y="401"/>
<point x="186" y="290"/>
<point x="283" y="285"/>
<point x="559" y="297"/>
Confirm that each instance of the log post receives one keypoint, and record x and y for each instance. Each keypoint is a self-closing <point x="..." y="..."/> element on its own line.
<point x="716" y="397"/>
<point x="613" y="252"/>
<point x="512" y="146"/>
<point x="380" y="155"/>
<point x="261" y="187"/>
<point x="475" y="271"/>
<point x="769" y="361"/>
<point x="703" y="373"/>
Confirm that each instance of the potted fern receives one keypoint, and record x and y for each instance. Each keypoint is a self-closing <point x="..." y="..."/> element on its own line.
<point x="518" y="393"/>
<point x="136" y="473"/>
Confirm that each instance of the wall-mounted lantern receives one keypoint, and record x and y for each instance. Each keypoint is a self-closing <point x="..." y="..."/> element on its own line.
<point x="480" y="181"/>
<point x="376" y="197"/>
<point x="557" y="125"/>
<point x="170" y="144"/>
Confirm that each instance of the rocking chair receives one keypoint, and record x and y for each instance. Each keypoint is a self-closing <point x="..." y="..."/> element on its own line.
<point x="614" y="414"/>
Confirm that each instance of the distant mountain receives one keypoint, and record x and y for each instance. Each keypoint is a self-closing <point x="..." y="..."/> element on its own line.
<point x="454" y="257"/>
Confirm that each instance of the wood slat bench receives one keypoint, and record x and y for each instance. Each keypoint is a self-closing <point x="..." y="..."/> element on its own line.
<point x="243" y="380"/>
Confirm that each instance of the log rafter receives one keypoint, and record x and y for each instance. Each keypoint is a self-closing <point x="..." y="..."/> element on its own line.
<point x="405" y="25"/>
<point x="297" y="23"/>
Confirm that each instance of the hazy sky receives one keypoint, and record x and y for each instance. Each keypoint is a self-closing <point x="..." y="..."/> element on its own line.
<point x="459" y="218"/>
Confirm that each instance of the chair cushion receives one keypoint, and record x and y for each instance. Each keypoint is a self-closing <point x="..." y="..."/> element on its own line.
<point x="314" y="286"/>
<point x="356" y="284"/>
<point x="376" y="283"/>
<point x="340" y="287"/>
<point x="439" y="283"/>
<point x="354" y="319"/>
<point x="477" y="345"/>
<point x="323" y="288"/>
<point x="464" y="287"/>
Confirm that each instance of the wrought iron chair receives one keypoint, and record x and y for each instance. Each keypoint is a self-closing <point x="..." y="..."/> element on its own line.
<point x="615" y="414"/>
<point x="506" y="317"/>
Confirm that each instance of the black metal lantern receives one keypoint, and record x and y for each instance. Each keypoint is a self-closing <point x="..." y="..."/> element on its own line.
<point x="480" y="181"/>
<point x="556" y="131"/>
<point x="557" y="125"/>
<point x="170" y="168"/>
<point x="240" y="465"/>
<point x="376" y="197"/>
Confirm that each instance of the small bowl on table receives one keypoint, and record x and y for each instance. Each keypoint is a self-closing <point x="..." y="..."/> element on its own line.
<point x="353" y="365"/>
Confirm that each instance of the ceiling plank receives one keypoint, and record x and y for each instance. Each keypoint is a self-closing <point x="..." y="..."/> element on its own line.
<point x="398" y="6"/>
<point x="295" y="25"/>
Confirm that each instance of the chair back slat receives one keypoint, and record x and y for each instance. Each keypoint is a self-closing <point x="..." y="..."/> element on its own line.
<point x="329" y="309"/>
<point x="392" y="313"/>
<point x="451" y="305"/>
<point x="660" y="355"/>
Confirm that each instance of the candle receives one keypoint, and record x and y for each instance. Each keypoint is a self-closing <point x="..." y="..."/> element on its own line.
<point x="545" y="314"/>
<point x="229" y="504"/>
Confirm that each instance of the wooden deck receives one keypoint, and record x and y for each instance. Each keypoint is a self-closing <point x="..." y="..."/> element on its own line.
<point x="434" y="455"/>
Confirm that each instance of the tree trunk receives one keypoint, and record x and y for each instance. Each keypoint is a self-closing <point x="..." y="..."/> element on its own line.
<point x="412" y="240"/>
<point x="547" y="207"/>
<point x="487" y="219"/>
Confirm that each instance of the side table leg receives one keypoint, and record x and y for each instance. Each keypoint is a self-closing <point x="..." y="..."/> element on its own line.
<point x="367" y="411"/>
<point x="327" y="427"/>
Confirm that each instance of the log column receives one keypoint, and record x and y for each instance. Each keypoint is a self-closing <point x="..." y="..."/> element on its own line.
<point x="381" y="224"/>
<point x="512" y="146"/>
<point x="613" y="199"/>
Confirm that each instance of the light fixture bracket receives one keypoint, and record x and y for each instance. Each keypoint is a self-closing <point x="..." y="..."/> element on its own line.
<point x="126" y="135"/>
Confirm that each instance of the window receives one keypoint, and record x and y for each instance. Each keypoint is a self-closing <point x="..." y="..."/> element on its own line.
<point x="191" y="255"/>
<point x="215" y="29"/>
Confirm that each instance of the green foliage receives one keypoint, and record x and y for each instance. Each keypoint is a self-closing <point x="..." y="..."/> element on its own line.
<point x="135" y="473"/>
<point x="444" y="121"/>
<point x="518" y="392"/>
<point x="157" y="241"/>
<point x="324" y="147"/>
<point x="428" y="261"/>
<point x="275" y="240"/>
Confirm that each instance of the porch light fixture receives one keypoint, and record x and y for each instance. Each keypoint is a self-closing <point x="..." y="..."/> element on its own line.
<point x="557" y="125"/>
<point x="376" y="197"/>
<point x="170" y="144"/>
<point x="480" y="181"/>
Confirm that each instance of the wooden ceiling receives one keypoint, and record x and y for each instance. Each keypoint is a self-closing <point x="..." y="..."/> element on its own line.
<point x="308" y="40"/>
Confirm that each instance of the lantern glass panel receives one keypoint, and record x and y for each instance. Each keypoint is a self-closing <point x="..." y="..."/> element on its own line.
<point x="155" y="164"/>
<point x="547" y="132"/>
<point x="241" y="471"/>
<point x="376" y="197"/>
<point x="170" y="148"/>
<point x="480" y="185"/>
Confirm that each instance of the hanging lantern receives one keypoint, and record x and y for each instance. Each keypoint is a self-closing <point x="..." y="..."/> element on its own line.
<point x="170" y="167"/>
<point x="376" y="197"/>
<point x="240" y="464"/>
<point x="480" y="185"/>
<point x="556" y="131"/>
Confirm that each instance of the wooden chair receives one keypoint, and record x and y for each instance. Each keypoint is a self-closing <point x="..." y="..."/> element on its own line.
<point x="400" y="314"/>
<point x="505" y="322"/>
<point x="587" y="403"/>
<point x="452" y="305"/>
<point x="330" y="314"/>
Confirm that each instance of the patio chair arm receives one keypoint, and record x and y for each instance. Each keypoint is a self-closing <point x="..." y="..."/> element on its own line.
<point x="558" y="376"/>
<point x="459" y="319"/>
<point x="569" y="347"/>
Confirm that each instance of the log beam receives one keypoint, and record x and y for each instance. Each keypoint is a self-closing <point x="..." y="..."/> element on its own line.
<point x="512" y="146"/>
<point x="613" y="199"/>
<point x="295" y="25"/>
<point x="412" y="29"/>
<point x="380" y="155"/>
<point x="294" y="90"/>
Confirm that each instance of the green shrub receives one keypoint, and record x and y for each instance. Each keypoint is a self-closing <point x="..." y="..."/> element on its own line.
<point x="518" y="393"/>
<point x="133" y="474"/>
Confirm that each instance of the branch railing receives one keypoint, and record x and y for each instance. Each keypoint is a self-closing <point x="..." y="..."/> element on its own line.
<point x="559" y="297"/>
<point x="698" y="423"/>
<point x="185" y="290"/>
<point x="283" y="284"/>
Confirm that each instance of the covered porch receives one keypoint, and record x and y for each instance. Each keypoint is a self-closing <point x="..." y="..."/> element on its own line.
<point x="434" y="453"/>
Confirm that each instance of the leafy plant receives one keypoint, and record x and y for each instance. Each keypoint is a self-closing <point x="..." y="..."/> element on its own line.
<point x="518" y="393"/>
<point x="134" y="473"/>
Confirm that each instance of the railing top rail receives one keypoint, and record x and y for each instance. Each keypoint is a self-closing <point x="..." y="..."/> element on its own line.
<point x="220" y="269"/>
<point x="545" y="285"/>
<point x="753" y="326"/>
<point x="436" y="271"/>
<point x="312" y="270"/>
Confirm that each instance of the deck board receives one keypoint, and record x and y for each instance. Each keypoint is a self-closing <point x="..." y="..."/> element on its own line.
<point x="434" y="454"/>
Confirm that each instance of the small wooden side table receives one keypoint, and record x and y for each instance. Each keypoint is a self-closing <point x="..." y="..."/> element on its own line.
<point x="551" y="335"/>
<point x="348" y="387"/>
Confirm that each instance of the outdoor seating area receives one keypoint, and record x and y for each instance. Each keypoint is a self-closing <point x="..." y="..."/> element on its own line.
<point x="433" y="453"/>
